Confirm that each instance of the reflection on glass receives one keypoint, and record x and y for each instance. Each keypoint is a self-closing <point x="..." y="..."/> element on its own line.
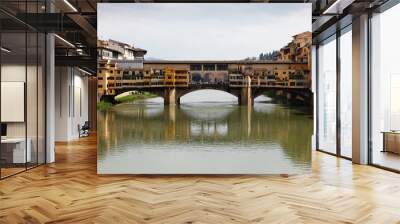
<point x="31" y="97"/>
<point x="22" y="91"/>
<point x="327" y="96"/>
<point x="41" y="79"/>
<point x="385" y="81"/>
<point x="204" y="138"/>
<point x="346" y="94"/>
<point x="14" y="153"/>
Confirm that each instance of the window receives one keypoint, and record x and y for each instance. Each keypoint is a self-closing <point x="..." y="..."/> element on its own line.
<point x="222" y="67"/>
<point x="327" y="96"/>
<point x="385" y="89"/>
<point x="209" y="67"/>
<point x="195" y="67"/>
<point x="346" y="93"/>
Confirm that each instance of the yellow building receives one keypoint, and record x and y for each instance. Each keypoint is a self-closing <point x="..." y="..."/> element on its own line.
<point x="115" y="75"/>
<point x="109" y="77"/>
<point x="298" y="50"/>
<point x="176" y="77"/>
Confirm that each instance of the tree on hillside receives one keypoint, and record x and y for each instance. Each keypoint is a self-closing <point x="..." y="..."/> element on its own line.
<point x="271" y="56"/>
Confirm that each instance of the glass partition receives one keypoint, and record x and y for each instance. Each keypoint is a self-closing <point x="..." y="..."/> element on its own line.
<point x="13" y="94"/>
<point x="385" y="89"/>
<point x="327" y="96"/>
<point x="346" y="93"/>
<point x="41" y="97"/>
<point x="31" y="97"/>
<point x="22" y="88"/>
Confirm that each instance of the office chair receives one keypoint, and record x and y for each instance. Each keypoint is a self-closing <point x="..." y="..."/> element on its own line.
<point x="84" y="130"/>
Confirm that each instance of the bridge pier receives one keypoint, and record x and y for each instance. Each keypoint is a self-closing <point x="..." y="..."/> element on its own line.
<point x="170" y="97"/>
<point x="246" y="94"/>
<point x="246" y="97"/>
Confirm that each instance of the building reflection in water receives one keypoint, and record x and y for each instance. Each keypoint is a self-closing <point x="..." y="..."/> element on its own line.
<point x="150" y="126"/>
<point x="208" y="128"/>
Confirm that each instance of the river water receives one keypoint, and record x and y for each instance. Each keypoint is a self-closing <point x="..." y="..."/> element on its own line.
<point x="204" y="135"/>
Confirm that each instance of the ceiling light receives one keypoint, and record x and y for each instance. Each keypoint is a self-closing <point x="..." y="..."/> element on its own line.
<point x="5" y="50"/>
<point x="338" y="6"/>
<point x="79" y="51"/>
<point x="86" y="72"/>
<point x="70" y="5"/>
<point x="65" y="41"/>
<point x="331" y="7"/>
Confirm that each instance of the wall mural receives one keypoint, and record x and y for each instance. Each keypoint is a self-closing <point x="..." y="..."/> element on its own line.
<point x="197" y="94"/>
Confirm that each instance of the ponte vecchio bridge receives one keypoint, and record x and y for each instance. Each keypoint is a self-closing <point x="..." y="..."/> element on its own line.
<point x="173" y="79"/>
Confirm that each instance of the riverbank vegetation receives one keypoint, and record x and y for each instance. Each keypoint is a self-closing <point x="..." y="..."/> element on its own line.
<point x="127" y="97"/>
<point x="133" y="96"/>
<point x="104" y="105"/>
<point x="280" y="97"/>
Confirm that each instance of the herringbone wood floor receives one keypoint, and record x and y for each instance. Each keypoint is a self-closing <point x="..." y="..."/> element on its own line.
<point x="70" y="191"/>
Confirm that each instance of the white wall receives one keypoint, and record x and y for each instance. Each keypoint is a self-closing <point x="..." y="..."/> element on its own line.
<point x="17" y="73"/>
<point x="71" y="102"/>
<point x="10" y="73"/>
<point x="61" y="103"/>
<point x="33" y="126"/>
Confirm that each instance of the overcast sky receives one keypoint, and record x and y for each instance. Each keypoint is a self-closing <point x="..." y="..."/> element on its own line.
<point x="203" y="31"/>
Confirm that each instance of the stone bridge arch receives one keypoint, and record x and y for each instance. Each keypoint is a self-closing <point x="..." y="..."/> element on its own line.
<point x="245" y="94"/>
<point x="303" y="96"/>
<point x="182" y="92"/>
<point x="172" y="95"/>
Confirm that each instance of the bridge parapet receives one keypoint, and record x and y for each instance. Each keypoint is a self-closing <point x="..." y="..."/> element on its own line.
<point x="114" y="78"/>
<point x="233" y="83"/>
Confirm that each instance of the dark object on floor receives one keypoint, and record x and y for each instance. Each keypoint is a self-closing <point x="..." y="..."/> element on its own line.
<point x="84" y="130"/>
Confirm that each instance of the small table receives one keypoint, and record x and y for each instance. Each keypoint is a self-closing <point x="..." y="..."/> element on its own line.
<point x="391" y="141"/>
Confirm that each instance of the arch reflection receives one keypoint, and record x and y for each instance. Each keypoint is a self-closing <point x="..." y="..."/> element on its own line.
<point x="262" y="127"/>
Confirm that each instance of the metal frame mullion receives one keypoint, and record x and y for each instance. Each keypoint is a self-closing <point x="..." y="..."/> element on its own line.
<point x="317" y="97"/>
<point x="26" y="87"/>
<point x="0" y="91"/>
<point x="37" y="91"/>
<point x="369" y="81"/>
